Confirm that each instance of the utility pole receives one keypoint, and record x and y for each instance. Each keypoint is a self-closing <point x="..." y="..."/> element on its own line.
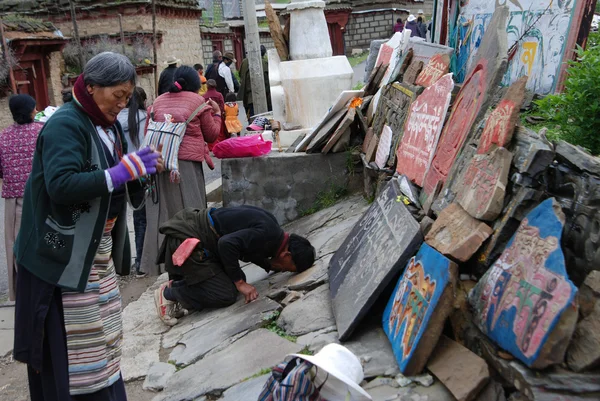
<point x="122" y="34"/>
<point x="76" y="35"/>
<point x="257" y="78"/>
<point x="154" y="48"/>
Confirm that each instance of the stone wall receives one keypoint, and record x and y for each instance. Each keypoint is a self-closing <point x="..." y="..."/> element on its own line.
<point x="285" y="184"/>
<point x="146" y="82"/>
<point x="364" y="27"/>
<point x="5" y="116"/>
<point x="181" y="36"/>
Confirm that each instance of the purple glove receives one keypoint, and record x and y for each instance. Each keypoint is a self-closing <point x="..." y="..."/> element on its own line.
<point x="134" y="165"/>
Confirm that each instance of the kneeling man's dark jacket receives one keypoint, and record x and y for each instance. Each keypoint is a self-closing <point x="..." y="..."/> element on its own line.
<point x="244" y="233"/>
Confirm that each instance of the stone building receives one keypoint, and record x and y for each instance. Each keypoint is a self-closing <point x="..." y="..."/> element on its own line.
<point x="177" y="25"/>
<point x="34" y="56"/>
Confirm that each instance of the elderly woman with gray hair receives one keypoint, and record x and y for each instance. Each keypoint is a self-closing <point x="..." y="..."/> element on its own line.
<point x="73" y="240"/>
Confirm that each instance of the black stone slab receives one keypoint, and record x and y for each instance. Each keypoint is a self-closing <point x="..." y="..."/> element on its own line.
<point x="375" y="251"/>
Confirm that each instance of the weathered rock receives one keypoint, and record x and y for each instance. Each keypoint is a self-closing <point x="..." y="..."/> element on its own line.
<point x="258" y="350"/>
<point x="158" y="375"/>
<point x="584" y="351"/>
<point x="531" y="154"/>
<point x="381" y="381"/>
<point x="291" y="297"/>
<point x="371" y="345"/>
<point x="311" y="313"/>
<point x="578" y="171"/>
<point x="142" y="331"/>
<point x="373" y="53"/>
<point x="422" y="300"/>
<point x="426" y="225"/>
<point x="483" y="185"/>
<point x="318" y="339"/>
<point x="386" y="392"/>
<point x="246" y="390"/>
<point x="492" y="392"/>
<point x="436" y="67"/>
<point x="501" y="122"/>
<point x="201" y="340"/>
<point x="525" y="302"/>
<point x="422" y="130"/>
<point x="461" y="371"/>
<point x="311" y="278"/>
<point x="551" y="385"/>
<point x="377" y="248"/>
<point x="589" y="293"/>
<point x="456" y="234"/>
<point x="413" y="71"/>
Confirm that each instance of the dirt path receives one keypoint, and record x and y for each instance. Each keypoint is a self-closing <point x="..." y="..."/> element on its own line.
<point x="13" y="375"/>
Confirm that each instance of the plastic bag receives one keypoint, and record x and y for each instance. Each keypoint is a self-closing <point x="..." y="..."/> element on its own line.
<point x="245" y="146"/>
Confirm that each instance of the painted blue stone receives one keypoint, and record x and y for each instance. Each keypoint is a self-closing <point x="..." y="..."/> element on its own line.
<point x="415" y="298"/>
<point x="521" y="297"/>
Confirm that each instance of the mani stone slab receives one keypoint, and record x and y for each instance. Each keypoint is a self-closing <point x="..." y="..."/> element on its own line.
<point x="436" y="67"/>
<point x="375" y="251"/>
<point x="413" y="71"/>
<point x="462" y="372"/>
<point x="483" y="185"/>
<point x="525" y="302"/>
<point x="501" y="123"/>
<point x="422" y="301"/>
<point x="257" y="350"/>
<point x="422" y="129"/>
<point x="456" y="234"/>
<point x="464" y="112"/>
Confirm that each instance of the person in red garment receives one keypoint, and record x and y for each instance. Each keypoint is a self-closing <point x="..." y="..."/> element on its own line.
<point x="202" y="249"/>
<point x="213" y="94"/>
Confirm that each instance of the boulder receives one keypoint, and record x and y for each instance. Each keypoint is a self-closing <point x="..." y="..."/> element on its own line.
<point x="456" y="234"/>
<point x="584" y="351"/>
<point x="589" y="293"/>
<point x="246" y="390"/>
<point x="460" y="370"/>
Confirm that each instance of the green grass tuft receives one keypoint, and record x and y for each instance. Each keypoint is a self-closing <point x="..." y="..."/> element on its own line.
<point x="359" y="58"/>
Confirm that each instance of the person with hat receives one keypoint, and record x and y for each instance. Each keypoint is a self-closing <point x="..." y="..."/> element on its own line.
<point x="221" y="73"/>
<point x="17" y="146"/>
<point x="166" y="77"/>
<point x="411" y="23"/>
<point x="201" y="251"/>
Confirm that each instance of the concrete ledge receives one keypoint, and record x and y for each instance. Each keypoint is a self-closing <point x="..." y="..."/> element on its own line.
<point x="286" y="184"/>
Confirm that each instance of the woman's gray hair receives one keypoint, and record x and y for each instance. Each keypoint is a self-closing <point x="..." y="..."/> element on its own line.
<point x="109" y="69"/>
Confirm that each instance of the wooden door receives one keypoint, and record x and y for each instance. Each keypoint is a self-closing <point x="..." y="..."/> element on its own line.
<point x="31" y="80"/>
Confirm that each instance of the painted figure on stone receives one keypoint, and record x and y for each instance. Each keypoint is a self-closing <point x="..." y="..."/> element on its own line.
<point x="522" y="296"/>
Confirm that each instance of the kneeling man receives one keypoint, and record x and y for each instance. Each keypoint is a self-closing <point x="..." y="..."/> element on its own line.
<point x="202" y="249"/>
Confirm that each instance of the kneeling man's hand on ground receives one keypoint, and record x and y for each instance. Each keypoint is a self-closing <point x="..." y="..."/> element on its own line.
<point x="249" y="292"/>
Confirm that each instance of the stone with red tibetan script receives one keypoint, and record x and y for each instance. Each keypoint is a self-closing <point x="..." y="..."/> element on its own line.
<point x="437" y="67"/>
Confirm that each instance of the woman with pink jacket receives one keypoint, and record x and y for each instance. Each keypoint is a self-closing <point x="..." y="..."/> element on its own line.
<point x="17" y="145"/>
<point x="180" y="102"/>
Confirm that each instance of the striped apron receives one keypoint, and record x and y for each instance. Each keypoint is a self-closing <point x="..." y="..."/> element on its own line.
<point x="93" y="325"/>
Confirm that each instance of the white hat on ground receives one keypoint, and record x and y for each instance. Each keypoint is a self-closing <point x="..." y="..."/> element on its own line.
<point x="411" y="18"/>
<point x="339" y="373"/>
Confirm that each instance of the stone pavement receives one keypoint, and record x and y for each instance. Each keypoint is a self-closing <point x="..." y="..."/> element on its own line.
<point x="228" y="352"/>
<point x="7" y="326"/>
